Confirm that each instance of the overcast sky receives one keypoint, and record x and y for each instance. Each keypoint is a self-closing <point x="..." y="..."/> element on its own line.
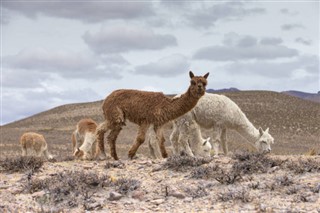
<point x="59" y="52"/>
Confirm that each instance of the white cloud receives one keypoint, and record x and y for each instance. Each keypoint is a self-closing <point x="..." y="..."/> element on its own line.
<point x="288" y="27"/>
<point x="207" y="16"/>
<point x="306" y="42"/>
<point x="165" y="67"/>
<point x="309" y="65"/>
<point x="86" y="11"/>
<point x="43" y="62"/>
<point x="121" y="39"/>
<point x="245" y="48"/>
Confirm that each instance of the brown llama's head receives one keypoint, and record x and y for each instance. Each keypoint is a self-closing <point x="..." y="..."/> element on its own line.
<point x="198" y="84"/>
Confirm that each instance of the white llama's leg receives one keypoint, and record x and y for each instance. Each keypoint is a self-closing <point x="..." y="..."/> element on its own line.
<point x="216" y="138"/>
<point x="224" y="141"/>
<point x="174" y="138"/>
<point x="184" y="145"/>
<point x="154" y="144"/>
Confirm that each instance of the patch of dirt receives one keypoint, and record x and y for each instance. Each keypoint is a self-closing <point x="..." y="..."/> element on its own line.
<point x="144" y="185"/>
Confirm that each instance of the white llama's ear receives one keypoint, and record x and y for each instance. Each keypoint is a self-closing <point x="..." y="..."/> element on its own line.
<point x="208" y="139"/>
<point x="206" y="75"/>
<point x="204" y="143"/>
<point x="267" y="130"/>
<point x="191" y="74"/>
<point x="260" y="131"/>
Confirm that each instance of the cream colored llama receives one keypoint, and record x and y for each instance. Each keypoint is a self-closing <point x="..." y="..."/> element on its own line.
<point x="83" y="139"/>
<point x="190" y="140"/>
<point x="145" y="108"/>
<point x="34" y="144"/>
<point x="219" y="113"/>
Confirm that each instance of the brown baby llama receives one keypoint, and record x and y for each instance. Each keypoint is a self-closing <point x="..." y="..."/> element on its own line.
<point x="145" y="108"/>
<point x="34" y="144"/>
<point x="83" y="139"/>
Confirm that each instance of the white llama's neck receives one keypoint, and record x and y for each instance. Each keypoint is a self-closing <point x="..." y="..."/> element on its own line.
<point x="247" y="130"/>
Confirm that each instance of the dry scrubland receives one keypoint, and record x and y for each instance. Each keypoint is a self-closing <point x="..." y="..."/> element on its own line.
<point x="287" y="180"/>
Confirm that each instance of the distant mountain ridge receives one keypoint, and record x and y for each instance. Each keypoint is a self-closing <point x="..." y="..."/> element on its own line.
<point x="315" y="97"/>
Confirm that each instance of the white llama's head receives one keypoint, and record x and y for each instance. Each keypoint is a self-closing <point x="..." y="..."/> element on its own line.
<point x="265" y="141"/>
<point x="206" y="147"/>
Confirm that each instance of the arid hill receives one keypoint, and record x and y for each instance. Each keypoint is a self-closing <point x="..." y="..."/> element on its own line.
<point x="293" y="122"/>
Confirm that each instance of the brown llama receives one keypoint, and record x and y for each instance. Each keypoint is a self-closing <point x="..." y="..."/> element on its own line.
<point x="34" y="144"/>
<point x="83" y="139"/>
<point x="145" y="108"/>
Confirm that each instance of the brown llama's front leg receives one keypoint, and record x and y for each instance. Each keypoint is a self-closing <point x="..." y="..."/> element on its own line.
<point x="161" y="140"/>
<point x="139" y="140"/>
<point x="112" y="137"/>
<point x="100" y="131"/>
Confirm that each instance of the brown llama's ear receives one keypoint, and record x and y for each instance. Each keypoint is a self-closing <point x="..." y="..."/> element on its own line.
<point x="191" y="74"/>
<point x="206" y="75"/>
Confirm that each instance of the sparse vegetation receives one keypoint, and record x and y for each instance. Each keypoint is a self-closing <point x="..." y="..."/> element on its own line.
<point x="124" y="185"/>
<point x="21" y="164"/>
<point x="68" y="189"/>
<point x="241" y="194"/>
<point x="114" y="164"/>
<point x="196" y="192"/>
<point x="183" y="163"/>
<point x="303" y="166"/>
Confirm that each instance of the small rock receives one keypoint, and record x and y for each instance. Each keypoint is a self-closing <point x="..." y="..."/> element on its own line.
<point x="139" y="195"/>
<point x="273" y="169"/>
<point x="156" y="168"/>
<point x="114" y="196"/>
<point x="38" y="194"/>
<point x="158" y="201"/>
<point x="178" y="195"/>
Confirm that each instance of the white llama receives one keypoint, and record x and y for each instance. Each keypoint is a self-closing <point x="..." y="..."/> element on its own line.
<point x="219" y="113"/>
<point x="34" y="144"/>
<point x="83" y="139"/>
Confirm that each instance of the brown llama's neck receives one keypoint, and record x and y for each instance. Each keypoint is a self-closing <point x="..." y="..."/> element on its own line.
<point x="179" y="106"/>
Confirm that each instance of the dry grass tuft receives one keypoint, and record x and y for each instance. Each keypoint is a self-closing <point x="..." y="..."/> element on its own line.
<point x="124" y="185"/>
<point x="114" y="164"/>
<point x="236" y="194"/>
<point x="67" y="189"/>
<point x="183" y="163"/>
<point x="21" y="164"/>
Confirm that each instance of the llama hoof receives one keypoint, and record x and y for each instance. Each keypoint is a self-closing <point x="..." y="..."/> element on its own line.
<point x="102" y="157"/>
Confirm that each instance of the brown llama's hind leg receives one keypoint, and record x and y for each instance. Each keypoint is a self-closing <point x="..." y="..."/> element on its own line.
<point x="112" y="137"/>
<point x="100" y="131"/>
<point x="139" y="140"/>
<point x="161" y="140"/>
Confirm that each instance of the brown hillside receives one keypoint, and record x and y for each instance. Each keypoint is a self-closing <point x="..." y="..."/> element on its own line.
<point x="293" y="122"/>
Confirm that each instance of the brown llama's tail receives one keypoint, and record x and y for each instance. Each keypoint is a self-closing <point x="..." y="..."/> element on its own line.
<point x="99" y="133"/>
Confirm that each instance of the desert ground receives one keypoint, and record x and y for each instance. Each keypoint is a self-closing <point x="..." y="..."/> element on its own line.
<point x="287" y="180"/>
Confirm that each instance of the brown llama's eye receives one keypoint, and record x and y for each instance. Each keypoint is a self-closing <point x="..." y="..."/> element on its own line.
<point x="193" y="82"/>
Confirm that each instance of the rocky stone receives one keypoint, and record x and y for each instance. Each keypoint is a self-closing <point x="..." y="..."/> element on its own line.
<point x="139" y="195"/>
<point x="115" y="196"/>
<point x="158" y="201"/>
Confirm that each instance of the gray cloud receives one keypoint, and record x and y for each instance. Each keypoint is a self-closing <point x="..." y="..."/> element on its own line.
<point x="90" y="11"/>
<point x="306" y="42"/>
<point x="18" y="104"/>
<point x="207" y="16"/>
<point x="125" y="38"/>
<point x="307" y="66"/>
<point x="42" y="62"/>
<point x="244" y="48"/>
<point x="288" y="12"/>
<point x="165" y="67"/>
<point x="288" y="27"/>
